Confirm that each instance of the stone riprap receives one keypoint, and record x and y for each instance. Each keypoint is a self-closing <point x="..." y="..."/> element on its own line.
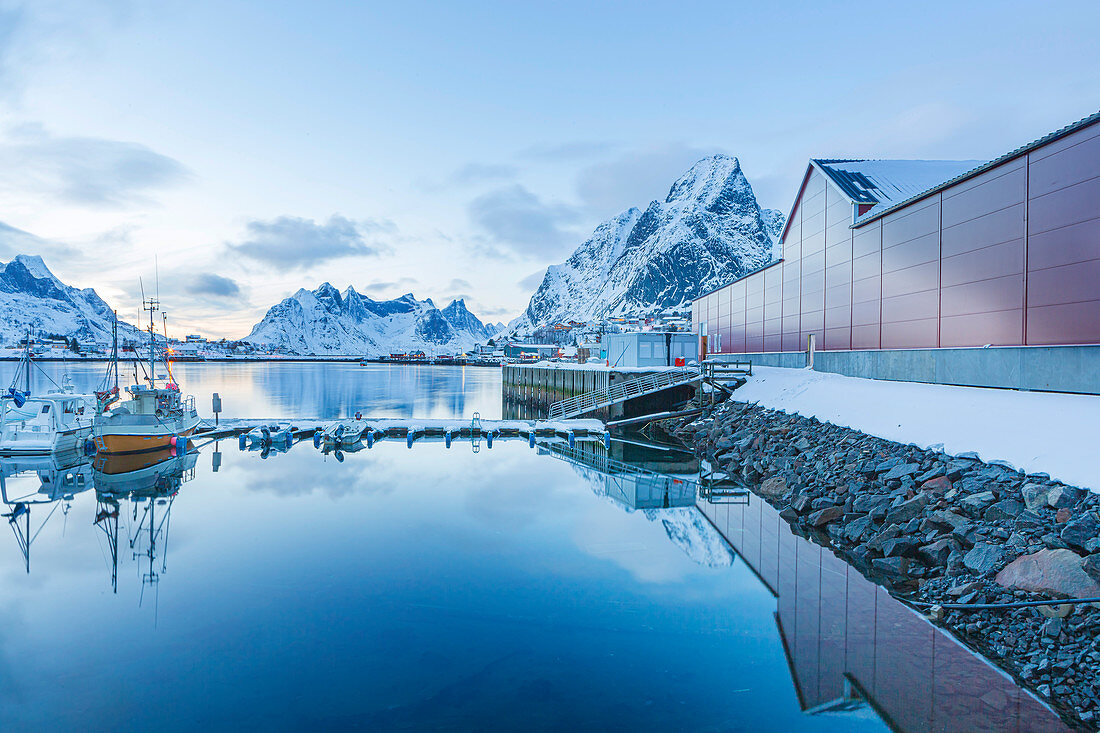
<point x="935" y="528"/>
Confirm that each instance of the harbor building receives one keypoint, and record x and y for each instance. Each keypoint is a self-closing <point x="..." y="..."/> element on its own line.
<point x="651" y="348"/>
<point x="932" y="259"/>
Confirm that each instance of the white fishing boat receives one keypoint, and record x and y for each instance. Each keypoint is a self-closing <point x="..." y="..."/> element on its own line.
<point x="155" y="417"/>
<point x="57" y="420"/>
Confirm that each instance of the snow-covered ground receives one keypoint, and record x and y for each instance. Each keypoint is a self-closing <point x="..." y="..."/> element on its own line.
<point x="1037" y="432"/>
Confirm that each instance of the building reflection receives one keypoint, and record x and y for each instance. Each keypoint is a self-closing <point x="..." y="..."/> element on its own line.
<point x="847" y="639"/>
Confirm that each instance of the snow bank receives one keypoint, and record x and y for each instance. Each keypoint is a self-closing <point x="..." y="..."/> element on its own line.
<point x="1037" y="432"/>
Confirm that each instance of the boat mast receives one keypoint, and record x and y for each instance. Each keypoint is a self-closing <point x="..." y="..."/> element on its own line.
<point x="152" y="305"/>
<point x="114" y="342"/>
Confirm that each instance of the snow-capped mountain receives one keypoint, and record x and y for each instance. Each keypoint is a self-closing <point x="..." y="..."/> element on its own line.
<point x="707" y="232"/>
<point x="33" y="299"/>
<point x="326" y="321"/>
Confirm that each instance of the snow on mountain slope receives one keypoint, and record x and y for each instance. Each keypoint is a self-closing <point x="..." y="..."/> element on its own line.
<point x="326" y="321"/>
<point x="33" y="299"/>
<point x="708" y="231"/>
<point x="691" y="532"/>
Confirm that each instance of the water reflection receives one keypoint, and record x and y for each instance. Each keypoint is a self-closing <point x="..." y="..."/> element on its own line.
<point x="848" y="640"/>
<point x="34" y="489"/>
<point x="52" y="481"/>
<point x="420" y="588"/>
<point x="323" y="390"/>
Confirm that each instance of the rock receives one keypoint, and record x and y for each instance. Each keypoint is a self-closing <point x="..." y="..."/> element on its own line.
<point x="1078" y="532"/>
<point x="964" y="588"/>
<point x="1062" y="516"/>
<point x="949" y="519"/>
<point x="802" y="445"/>
<point x="897" y="472"/>
<point x="975" y="503"/>
<point x="1003" y="511"/>
<point x="1091" y="565"/>
<point x="887" y="465"/>
<point x="773" y="488"/>
<point x="1057" y="573"/>
<point x="1064" y="496"/>
<point x="801" y="503"/>
<point x="907" y="510"/>
<point x="898" y="547"/>
<point x="895" y="567"/>
<point x="939" y="485"/>
<point x="823" y="516"/>
<point x="1035" y="495"/>
<point x="1052" y="627"/>
<point x="870" y="502"/>
<point x="876" y="543"/>
<point x="937" y="553"/>
<point x="858" y="528"/>
<point x="984" y="558"/>
<point x="1028" y="518"/>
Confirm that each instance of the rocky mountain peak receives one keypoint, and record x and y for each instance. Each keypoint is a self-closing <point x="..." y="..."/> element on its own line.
<point x="708" y="231"/>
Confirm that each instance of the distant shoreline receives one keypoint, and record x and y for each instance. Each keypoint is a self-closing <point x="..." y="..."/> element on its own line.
<point x="239" y="359"/>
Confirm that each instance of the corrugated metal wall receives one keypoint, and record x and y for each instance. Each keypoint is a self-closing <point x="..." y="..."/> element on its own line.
<point x="1009" y="257"/>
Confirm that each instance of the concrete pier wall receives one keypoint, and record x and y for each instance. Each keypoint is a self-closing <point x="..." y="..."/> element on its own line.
<point x="527" y="391"/>
<point x="1038" y="368"/>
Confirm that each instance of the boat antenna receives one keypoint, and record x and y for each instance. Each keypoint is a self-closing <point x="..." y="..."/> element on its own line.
<point x="114" y="339"/>
<point x="151" y="305"/>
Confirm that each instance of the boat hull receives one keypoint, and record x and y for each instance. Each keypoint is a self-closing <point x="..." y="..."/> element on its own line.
<point x="144" y="438"/>
<point x="60" y="442"/>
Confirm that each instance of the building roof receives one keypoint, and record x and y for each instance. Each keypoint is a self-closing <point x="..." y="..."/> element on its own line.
<point x="1037" y="143"/>
<point x="884" y="183"/>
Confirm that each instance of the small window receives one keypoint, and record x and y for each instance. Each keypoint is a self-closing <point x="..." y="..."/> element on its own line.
<point x="46" y="408"/>
<point x="645" y="350"/>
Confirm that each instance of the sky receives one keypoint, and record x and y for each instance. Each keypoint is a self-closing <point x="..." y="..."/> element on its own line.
<point x="239" y="151"/>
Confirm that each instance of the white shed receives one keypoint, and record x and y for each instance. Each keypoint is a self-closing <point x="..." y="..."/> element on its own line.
<point x="651" y="348"/>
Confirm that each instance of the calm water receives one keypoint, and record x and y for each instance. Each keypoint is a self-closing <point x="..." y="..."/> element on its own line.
<point x="422" y="589"/>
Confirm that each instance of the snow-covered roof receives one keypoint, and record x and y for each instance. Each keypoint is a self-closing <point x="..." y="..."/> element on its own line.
<point x="884" y="183"/>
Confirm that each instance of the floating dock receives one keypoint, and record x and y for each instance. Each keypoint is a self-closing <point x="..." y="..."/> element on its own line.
<point x="410" y="430"/>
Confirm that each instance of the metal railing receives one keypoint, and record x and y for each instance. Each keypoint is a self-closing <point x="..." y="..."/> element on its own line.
<point x="726" y="370"/>
<point x="621" y="391"/>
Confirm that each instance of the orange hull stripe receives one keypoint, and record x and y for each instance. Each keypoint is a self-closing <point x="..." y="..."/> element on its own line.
<point x="135" y="443"/>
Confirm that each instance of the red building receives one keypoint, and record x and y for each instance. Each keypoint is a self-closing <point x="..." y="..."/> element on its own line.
<point x="887" y="254"/>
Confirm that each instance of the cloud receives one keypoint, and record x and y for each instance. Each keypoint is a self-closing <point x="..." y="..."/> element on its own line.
<point x="86" y="171"/>
<point x="389" y="287"/>
<point x="207" y="283"/>
<point x="577" y="150"/>
<point x="470" y="174"/>
<point x="636" y="178"/>
<point x="290" y="241"/>
<point x="16" y="242"/>
<point x="480" y="172"/>
<point x="459" y="284"/>
<point x="533" y="280"/>
<point x="515" y="217"/>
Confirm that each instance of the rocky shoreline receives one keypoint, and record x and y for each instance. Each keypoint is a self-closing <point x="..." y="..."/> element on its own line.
<point x="937" y="529"/>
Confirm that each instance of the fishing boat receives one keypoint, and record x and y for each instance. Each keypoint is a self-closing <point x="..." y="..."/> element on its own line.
<point x="57" y="420"/>
<point x="155" y="417"/>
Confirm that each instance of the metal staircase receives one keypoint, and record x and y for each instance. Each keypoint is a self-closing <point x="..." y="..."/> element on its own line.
<point x="622" y="391"/>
